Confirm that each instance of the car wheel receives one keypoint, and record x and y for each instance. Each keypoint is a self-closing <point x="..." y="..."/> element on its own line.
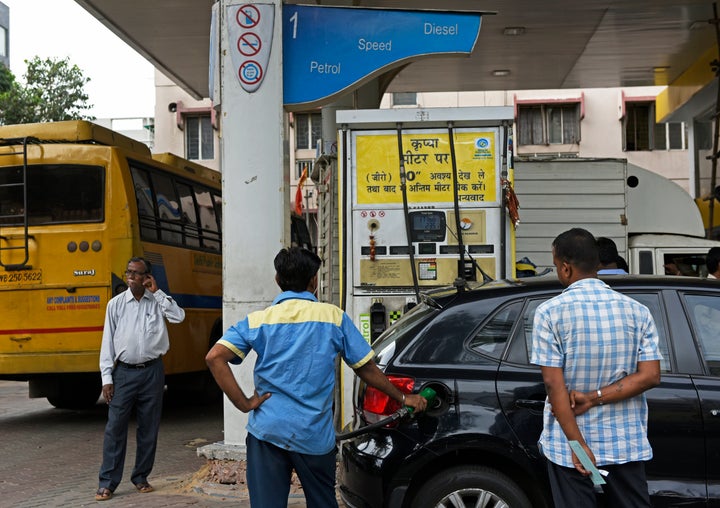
<point x="466" y="486"/>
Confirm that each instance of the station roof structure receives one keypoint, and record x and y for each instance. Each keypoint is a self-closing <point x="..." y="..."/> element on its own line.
<point x="523" y="44"/>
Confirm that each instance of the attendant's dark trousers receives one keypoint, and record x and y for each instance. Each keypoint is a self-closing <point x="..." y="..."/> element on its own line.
<point x="142" y="389"/>
<point x="269" y="470"/>
<point x="626" y="487"/>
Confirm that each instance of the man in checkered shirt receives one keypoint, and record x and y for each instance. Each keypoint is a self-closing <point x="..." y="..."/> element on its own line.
<point x="598" y="353"/>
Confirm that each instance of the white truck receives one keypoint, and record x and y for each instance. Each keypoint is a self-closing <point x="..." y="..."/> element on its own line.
<point x="654" y="222"/>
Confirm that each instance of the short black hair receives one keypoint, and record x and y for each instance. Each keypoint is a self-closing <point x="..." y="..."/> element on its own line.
<point x="578" y="247"/>
<point x="712" y="260"/>
<point x="295" y="267"/>
<point x="622" y="264"/>
<point x="607" y="250"/>
<point x="138" y="259"/>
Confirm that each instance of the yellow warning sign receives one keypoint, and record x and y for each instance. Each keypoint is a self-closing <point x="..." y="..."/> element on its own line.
<point x="428" y="168"/>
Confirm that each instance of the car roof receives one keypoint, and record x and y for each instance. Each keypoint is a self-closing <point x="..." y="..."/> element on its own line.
<point x="473" y="291"/>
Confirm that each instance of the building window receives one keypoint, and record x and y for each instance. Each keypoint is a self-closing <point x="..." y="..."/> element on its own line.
<point x="404" y="99"/>
<point x="704" y="135"/>
<point x="641" y="133"/>
<point x="199" y="139"/>
<point x="302" y="165"/>
<point x="549" y="124"/>
<point x="308" y="130"/>
<point x="3" y="42"/>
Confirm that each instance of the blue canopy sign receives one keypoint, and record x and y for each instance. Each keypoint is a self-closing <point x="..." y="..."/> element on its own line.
<point x="328" y="50"/>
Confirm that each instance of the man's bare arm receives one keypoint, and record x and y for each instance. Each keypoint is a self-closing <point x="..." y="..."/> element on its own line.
<point x="646" y="377"/>
<point x="560" y="401"/>
<point x="217" y="360"/>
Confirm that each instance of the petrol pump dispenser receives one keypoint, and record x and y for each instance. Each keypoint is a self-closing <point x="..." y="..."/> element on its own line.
<point x="422" y="205"/>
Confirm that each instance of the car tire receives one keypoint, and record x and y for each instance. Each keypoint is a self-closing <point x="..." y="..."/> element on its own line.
<point x="470" y="486"/>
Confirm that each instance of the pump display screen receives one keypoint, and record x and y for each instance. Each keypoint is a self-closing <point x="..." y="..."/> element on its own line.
<point x="427" y="226"/>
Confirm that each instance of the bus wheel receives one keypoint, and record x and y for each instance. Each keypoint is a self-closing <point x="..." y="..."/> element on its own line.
<point x="75" y="391"/>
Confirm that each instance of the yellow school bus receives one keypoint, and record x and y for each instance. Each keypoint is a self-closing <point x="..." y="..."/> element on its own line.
<point x="76" y="202"/>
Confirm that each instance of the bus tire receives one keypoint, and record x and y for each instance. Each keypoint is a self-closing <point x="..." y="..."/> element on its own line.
<point x="76" y="391"/>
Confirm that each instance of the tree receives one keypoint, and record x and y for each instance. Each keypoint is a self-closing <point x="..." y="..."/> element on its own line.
<point x="7" y="78"/>
<point x="53" y="91"/>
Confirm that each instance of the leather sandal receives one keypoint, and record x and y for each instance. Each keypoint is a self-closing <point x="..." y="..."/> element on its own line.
<point x="103" y="494"/>
<point x="144" y="487"/>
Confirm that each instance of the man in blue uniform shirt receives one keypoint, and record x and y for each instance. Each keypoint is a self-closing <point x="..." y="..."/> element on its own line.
<point x="290" y="425"/>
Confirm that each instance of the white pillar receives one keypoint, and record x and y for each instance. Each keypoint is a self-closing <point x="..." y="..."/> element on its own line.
<point x="256" y="199"/>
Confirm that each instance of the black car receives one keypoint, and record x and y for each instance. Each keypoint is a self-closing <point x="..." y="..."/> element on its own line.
<point x="477" y="444"/>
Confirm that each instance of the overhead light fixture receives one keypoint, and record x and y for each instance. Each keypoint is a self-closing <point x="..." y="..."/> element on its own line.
<point x="501" y="72"/>
<point x="514" y="30"/>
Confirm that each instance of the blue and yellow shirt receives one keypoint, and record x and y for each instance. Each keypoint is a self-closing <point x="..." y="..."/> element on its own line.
<point x="297" y="340"/>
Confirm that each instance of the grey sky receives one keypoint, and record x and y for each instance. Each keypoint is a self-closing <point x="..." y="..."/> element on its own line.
<point x="122" y="82"/>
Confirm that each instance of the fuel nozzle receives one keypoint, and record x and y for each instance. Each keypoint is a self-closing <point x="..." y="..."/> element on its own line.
<point x="429" y="394"/>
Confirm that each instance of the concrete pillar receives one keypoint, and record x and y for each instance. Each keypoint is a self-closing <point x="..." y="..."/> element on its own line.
<point x="256" y="199"/>
<point x="256" y="202"/>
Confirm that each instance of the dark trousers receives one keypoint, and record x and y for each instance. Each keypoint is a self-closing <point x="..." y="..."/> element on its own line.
<point x="143" y="390"/>
<point x="626" y="486"/>
<point x="269" y="470"/>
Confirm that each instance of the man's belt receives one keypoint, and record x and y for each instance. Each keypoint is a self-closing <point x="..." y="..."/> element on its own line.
<point x="138" y="365"/>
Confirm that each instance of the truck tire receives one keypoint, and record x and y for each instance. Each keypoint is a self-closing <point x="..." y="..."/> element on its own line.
<point x="470" y="486"/>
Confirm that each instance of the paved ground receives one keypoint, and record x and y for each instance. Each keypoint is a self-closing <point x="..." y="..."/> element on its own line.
<point x="50" y="457"/>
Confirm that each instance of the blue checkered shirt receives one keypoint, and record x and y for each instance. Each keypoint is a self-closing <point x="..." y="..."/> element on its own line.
<point x="597" y="336"/>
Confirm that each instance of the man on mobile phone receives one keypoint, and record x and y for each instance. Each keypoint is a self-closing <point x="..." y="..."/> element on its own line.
<point x="134" y="340"/>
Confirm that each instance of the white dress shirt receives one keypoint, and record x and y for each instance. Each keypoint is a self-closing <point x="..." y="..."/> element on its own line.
<point x="135" y="330"/>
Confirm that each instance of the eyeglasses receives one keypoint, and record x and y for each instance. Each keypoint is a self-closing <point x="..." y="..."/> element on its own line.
<point x="133" y="273"/>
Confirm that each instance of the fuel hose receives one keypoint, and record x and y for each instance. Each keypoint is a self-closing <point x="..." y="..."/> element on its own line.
<point x="404" y="411"/>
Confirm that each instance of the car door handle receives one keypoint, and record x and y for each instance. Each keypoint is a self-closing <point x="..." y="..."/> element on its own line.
<point x="531" y="404"/>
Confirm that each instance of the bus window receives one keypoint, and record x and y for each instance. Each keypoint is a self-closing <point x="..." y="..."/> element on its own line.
<point x="56" y="194"/>
<point x="189" y="215"/>
<point x="146" y="209"/>
<point x="208" y="221"/>
<point x="217" y="199"/>
<point x="168" y="209"/>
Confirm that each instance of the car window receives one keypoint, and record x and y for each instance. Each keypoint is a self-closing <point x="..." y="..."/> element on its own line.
<point x="654" y="304"/>
<point x="443" y="340"/>
<point x="650" y="300"/>
<point x="705" y="315"/>
<point x="525" y="331"/>
<point x="493" y="335"/>
<point x="401" y="331"/>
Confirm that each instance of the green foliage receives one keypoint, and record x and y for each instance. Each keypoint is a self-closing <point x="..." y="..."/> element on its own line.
<point x="7" y="78"/>
<point x="53" y="91"/>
